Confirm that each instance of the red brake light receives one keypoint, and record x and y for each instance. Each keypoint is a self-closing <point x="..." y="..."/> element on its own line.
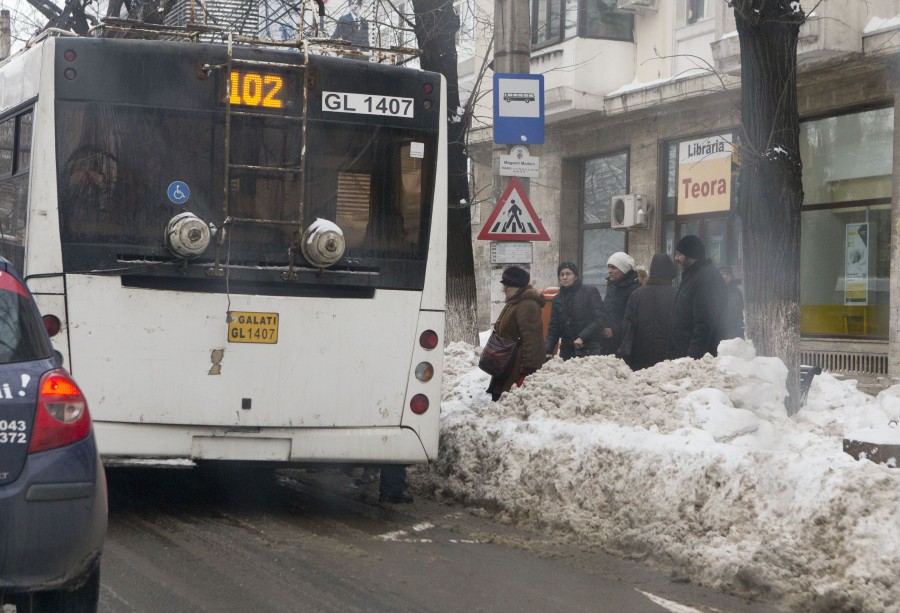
<point x="419" y="404"/>
<point x="62" y="413"/>
<point x="428" y="339"/>
<point x="427" y="88"/>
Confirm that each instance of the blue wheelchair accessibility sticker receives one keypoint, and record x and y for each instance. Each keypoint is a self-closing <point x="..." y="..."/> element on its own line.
<point x="178" y="192"/>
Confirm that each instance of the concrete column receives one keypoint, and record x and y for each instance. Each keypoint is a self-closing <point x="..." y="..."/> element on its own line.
<point x="512" y="54"/>
<point x="894" y="321"/>
<point x="512" y="36"/>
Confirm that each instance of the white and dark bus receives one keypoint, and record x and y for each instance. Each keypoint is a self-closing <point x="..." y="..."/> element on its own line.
<point x="245" y="247"/>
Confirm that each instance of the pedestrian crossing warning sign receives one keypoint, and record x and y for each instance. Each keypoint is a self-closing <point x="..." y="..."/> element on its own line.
<point x="513" y="219"/>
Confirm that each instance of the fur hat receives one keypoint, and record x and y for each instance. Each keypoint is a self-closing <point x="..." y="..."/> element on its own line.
<point x="622" y="261"/>
<point x="690" y="246"/>
<point x="515" y="277"/>
<point x="570" y="265"/>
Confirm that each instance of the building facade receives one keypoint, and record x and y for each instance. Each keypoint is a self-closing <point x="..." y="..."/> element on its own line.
<point x="642" y="98"/>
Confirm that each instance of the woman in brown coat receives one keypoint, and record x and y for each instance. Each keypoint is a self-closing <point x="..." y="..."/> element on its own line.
<point x="520" y="319"/>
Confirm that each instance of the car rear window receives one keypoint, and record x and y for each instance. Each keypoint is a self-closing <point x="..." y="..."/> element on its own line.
<point x="21" y="330"/>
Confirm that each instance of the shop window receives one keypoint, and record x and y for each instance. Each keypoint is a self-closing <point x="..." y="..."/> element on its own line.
<point x="845" y="246"/>
<point x="847" y="158"/>
<point x="555" y="20"/>
<point x="604" y="177"/>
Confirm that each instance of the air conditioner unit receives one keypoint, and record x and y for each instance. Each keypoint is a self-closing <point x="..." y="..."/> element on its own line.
<point x="627" y="211"/>
<point x="633" y="6"/>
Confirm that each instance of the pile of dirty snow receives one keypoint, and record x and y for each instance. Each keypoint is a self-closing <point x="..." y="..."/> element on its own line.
<point x="693" y="465"/>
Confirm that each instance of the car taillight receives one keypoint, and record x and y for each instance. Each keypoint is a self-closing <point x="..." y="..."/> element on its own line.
<point x="62" y="413"/>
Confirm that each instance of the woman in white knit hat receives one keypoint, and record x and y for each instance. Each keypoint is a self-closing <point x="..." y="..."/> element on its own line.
<point x="622" y="281"/>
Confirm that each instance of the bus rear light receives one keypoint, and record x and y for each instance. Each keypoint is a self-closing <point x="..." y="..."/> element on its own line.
<point x="69" y="73"/>
<point x="51" y="324"/>
<point x="419" y="404"/>
<point x="427" y="105"/>
<point x="428" y="339"/>
<point x="424" y="372"/>
<point x="62" y="413"/>
<point x="70" y="55"/>
<point x="428" y="88"/>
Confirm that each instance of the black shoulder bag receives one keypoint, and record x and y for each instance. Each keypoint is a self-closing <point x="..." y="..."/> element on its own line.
<point x="498" y="355"/>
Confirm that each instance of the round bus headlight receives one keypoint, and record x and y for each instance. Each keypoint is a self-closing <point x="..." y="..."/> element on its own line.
<point x="424" y="372"/>
<point x="187" y="236"/>
<point x="323" y="243"/>
<point x="419" y="404"/>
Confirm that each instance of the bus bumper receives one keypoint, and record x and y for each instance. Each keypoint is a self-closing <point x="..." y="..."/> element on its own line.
<point x="388" y="445"/>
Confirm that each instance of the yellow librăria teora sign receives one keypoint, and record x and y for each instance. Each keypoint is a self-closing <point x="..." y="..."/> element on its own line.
<point x="704" y="175"/>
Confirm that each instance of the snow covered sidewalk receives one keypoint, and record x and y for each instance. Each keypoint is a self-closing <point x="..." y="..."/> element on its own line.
<point x="692" y="465"/>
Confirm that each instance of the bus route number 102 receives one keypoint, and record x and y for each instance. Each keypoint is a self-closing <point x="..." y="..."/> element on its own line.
<point x="257" y="89"/>
<point x="367" y="104"/>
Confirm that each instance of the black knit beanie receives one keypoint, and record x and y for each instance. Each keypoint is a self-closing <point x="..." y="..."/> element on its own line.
<point x="691" y="247"/>
<point x="570" y="265"/>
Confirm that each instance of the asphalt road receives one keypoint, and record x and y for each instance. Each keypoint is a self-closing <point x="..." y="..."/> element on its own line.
<point x="240" y="540"/>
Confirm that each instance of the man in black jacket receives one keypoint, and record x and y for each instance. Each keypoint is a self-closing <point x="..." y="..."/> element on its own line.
<point x="699" y="303"/>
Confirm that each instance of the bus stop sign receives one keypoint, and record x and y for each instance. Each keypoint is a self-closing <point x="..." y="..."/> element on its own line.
<point x="518" y="109"/>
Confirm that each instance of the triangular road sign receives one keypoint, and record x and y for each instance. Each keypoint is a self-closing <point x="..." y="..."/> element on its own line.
<point x="513" y="219"/>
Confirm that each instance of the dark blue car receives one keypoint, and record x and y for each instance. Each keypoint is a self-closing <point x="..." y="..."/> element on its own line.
<point x="53" y="501"/>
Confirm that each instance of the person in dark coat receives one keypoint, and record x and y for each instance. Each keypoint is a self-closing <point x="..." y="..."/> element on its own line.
<point x="699" y="303"/>
<point x="520" y="319"/>
<point x="622" y="281"/>
<point x="648" y="317"/>
<point x="574" y="316"/>
<point x="733" y="318"/>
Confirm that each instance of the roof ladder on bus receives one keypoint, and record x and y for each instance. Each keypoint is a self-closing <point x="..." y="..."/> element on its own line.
<point x="229" y="220"/>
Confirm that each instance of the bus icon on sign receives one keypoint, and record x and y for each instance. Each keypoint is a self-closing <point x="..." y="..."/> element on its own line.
<point x="518" y="97"/>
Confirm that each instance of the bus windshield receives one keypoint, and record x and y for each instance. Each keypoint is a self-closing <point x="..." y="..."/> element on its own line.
<point x="116" y="162"/>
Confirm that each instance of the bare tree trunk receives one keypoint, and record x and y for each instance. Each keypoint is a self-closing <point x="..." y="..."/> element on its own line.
<point x="771" y="189"/>
<point x="436" y="27"/>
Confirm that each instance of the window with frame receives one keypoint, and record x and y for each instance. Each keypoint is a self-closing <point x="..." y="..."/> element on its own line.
<point x="845" y="250"/>
<point x="553" y="21"/>
<point x="696" y="10"/>
<point x="692" y="11"/>
<point x="15" y="162"/>
<point x="602" y="178"/>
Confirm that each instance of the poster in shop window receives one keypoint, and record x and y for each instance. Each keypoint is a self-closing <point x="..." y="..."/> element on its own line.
<point x="856" y="264"/>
